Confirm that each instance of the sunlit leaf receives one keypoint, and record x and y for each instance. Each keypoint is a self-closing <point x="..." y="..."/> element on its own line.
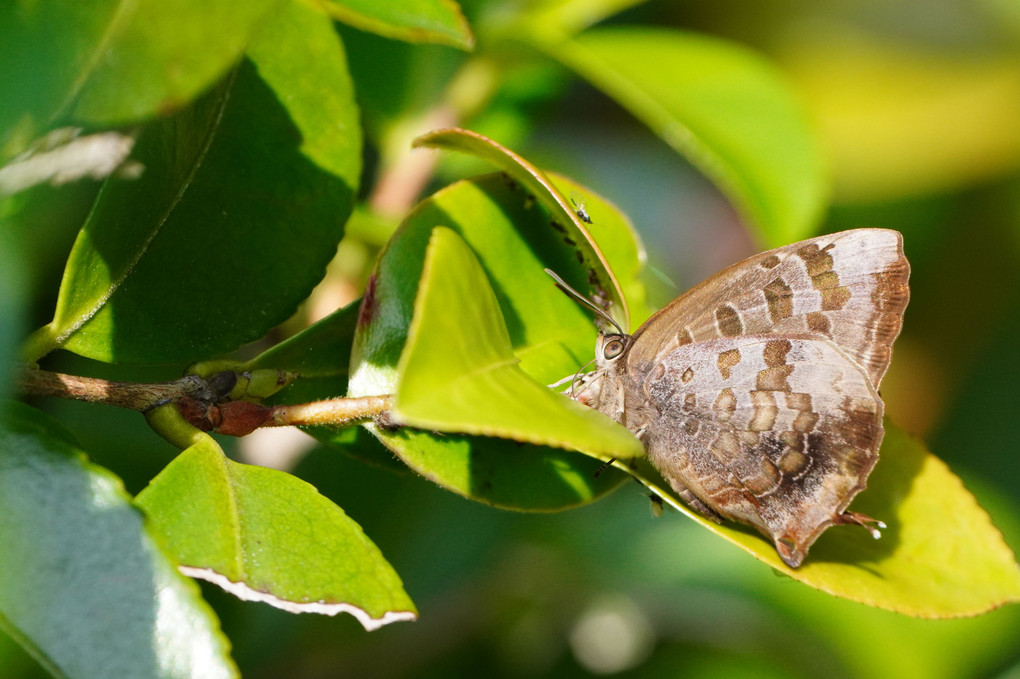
<point x="542" y="189"/>
<point x="86" y="589"/>
<point x="940" y="556"/>
<point x="264" y="535"/>
<point x="552" y="335"/>
<point x="299" y="56"/>
<point x="570" y="16"/>
<point x="617" y="240"/>
<point x="109" y="63"/>
<point x="458" y="372"/>
<point x="723" y="107"/>
<point x="438" y="21"/>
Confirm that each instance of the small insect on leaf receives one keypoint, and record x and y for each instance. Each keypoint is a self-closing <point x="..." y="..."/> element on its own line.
<point x="579" y="208"/>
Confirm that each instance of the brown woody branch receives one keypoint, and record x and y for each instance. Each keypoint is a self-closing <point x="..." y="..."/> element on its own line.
<point x="202" y="402"/>
<point x="133" y="395"/>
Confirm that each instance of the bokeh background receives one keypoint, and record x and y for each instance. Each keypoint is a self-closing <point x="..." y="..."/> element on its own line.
<point x="917" y="103"/>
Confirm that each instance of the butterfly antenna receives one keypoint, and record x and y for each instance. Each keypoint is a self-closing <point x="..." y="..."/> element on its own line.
<point x="561" y="284"/>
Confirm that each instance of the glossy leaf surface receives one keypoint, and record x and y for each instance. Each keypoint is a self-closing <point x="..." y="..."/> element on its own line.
<point x="264" y="535"/>
<point x="86" y="589"/>
<point x="436" y="21"/>
<point x="458" y="372"/>
<point x="542" y="189"/>
<point x="233" y="221"/>
<point x="111" y="63"/>
<point x="551" y="335"/>
<point x="939" y="557"/>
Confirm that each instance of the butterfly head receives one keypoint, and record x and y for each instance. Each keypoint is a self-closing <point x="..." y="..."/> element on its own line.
<point x="609" y="348"/>
<point x="593" y="388"/>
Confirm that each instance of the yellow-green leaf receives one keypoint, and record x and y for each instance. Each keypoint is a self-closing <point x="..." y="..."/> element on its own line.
<point x="428" y="21"/>
<point x="618" y="242"/>
<point x="264" y="535"/>
<point x="552" y="335"/>
<point x="458" y="372"/>
<point x="544" y="191"/>
<point x="939" y="557"/>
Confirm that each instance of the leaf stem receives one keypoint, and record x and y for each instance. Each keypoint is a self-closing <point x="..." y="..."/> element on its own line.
<point x="336" y="412"/>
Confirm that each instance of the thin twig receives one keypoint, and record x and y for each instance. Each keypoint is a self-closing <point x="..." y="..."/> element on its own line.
<point x="201" y="404"/>
<point x="336" y="412"/>
<point x="133" y="395"/>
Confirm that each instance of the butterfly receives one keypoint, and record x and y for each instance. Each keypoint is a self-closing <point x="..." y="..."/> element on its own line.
<point x="755" y="393"/>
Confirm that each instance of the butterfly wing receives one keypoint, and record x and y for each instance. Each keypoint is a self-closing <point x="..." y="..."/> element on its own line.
<point x="848" y="287"/>
<point x="777" y="432"/>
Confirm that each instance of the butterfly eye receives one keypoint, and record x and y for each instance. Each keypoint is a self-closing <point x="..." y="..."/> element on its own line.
<point x="612" y="349"/>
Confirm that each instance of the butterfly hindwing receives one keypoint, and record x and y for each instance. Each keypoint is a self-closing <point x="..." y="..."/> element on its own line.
<point x="780" y="433"/>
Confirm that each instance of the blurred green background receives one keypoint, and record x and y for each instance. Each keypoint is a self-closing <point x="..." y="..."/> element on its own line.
<point x="917" y="104"/>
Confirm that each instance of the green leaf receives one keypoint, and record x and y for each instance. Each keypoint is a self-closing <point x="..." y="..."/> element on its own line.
<point x="234" y="219"/>
<point x="617" y="240"/>
<point x="300" y="57"/>
<point x="551" y="334"/>
<point x="320" y="354"/>
<point x="541" y="188"/>
<point x="111" y="63"/>
<point x="264" y="535"/>
<point x="322" y="350"/>
<point x="940" y="556"/>
<point x="571" y="16"/>
<point x="513" y="239"/>
<point x="13" y="293"/>
<point x="430" y="21"/>
<point x="458" y="372"/>
<point x="86" y="589"/>
<point x="723" y="107"/>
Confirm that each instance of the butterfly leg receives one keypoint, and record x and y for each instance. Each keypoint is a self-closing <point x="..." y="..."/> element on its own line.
<point x="856" y="518"/>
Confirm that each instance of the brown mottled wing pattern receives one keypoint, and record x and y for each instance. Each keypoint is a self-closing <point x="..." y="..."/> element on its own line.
<point x="780" y="433"/>
<point x="756" y="391"/>
<point x="850" y="287"/>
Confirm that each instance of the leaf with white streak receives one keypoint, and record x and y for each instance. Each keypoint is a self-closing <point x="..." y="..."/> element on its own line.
<point x="264" y="535"/>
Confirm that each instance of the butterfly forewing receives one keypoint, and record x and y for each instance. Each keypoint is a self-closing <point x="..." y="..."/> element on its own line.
<point x="850" y="287"/>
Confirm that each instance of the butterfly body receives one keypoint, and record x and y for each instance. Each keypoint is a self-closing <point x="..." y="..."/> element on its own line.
<point x="756" y="392"/>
